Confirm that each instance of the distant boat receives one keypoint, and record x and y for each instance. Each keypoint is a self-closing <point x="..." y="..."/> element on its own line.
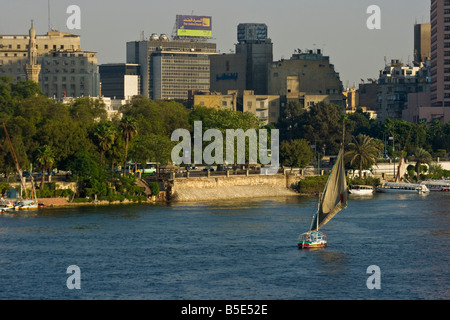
<point x="6" y="205"/>
<point x="403" y="187"/>
<point x="437" y="185"/>
<point x="361" y="190"/>
<point x="27" y="205"/>
<point x="332" y="200"/>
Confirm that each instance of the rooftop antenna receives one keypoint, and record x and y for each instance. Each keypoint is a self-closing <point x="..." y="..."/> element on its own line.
<point x="49" y="25"/>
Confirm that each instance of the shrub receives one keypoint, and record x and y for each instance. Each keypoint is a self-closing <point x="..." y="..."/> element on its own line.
<point x="369" y="181"/>
<point x="312" y="184"/>
<point x="4" y="187"/>
<point x="154" y="187"/>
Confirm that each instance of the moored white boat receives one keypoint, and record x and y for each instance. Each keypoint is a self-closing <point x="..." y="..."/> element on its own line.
<point x="27" y="205"/>
<point x="437" y="185"/>
<point x="403" y="187"/>
<point x="361" y="190"/>
<point x="6" y="205"/>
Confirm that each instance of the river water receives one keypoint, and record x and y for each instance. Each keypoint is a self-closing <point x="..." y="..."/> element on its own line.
<point x="240" y="249"/>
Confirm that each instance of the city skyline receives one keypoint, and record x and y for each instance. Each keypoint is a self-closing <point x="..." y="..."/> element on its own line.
<point x="337" y="27"/>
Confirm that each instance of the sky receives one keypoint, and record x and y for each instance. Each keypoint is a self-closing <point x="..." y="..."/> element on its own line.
<point x="338" y="27"/>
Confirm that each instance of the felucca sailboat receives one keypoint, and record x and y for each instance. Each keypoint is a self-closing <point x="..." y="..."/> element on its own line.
<point x="332" y="200"/>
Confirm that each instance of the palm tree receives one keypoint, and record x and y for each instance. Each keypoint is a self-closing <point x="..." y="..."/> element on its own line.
<point x="129" y="129"/>
<point x="422" y="156"/>
<point x="46" y="159"/>
<point x="105" y="134"/>
<point x="363" y="151"/>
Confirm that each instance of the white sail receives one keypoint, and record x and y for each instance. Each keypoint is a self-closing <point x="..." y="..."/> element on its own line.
<point x="334" y="196"/>
<point x="401" y="171"/>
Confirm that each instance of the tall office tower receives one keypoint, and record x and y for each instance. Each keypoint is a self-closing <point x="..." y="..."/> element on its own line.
<point x="66" y="70"/>
<point x="119" y="80"/>
<point x="258" y="50"/>
<point x="171" y="68"/>
<point x="422" y="43"/>
<point x="247" y="68"/>
<point x="440" y="53"/>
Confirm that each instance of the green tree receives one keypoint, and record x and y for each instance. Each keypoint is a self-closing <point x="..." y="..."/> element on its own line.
<point x="104" y="134"/>
<point x="45" y="158"/>
<point x="129" y="129"/>
<point x="421" y="157"/>
<point x="26" y="89"/>
<point x="289" y="120"/>
<point x="295" y="153"/>
<point x="323" y="122"/>
<point x="152" y="147"/>
<point x="362" y="152"/>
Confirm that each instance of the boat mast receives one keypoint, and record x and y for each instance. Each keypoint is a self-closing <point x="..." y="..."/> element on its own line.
<point x="397" y="177"/>
<point x="16" y="161"/>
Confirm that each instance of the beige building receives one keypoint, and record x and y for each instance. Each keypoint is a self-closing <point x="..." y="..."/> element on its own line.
<point x="265" y="107"/>
<point x="396" y="81"/>
<point x="65" y="70"/>
<point x="72" y="74"/>
<point x="216" y="100"/>
<point x="352" y="99"/>
<point x="307" y="78"/>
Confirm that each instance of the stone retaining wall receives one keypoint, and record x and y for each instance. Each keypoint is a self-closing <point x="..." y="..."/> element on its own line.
<point x="233" y="187"/>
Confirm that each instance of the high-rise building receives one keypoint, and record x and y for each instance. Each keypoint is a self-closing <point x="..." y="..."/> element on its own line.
<point x="247" y="68"/>
<point x="119" y="80"/>
<point x="396" y="81"/>
<point x="422" y="43"/>
<point x="440" y="53"/>
<point x="169" y="69"/>
<point x="65" y="70"/>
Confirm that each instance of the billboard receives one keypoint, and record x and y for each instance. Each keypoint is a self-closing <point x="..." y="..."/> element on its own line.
<point x="252" y="31"/>
<point x="194" y="26"/>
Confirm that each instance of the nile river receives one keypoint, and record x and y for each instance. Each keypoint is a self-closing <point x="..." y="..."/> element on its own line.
<point x="240" y="249"/>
